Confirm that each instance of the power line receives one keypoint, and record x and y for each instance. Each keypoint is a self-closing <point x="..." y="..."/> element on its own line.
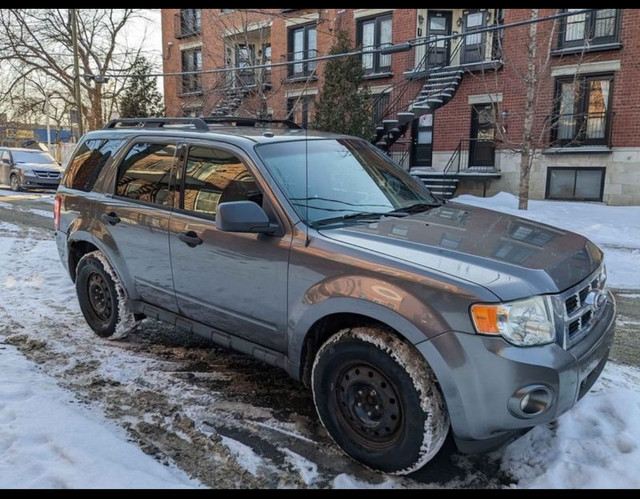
<point x="415" y="42"/>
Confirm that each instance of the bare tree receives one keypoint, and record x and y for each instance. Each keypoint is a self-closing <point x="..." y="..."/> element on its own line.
<point x="37" y="43"/>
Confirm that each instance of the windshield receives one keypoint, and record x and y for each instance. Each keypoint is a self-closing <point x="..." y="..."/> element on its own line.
<point x="346" y="178"/>
<point x="33" y="157"/>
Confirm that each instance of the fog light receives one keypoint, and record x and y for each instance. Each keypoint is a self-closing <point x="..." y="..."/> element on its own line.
<point x="530" y="401"/>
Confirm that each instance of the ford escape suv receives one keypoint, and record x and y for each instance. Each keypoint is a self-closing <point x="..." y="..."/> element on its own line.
<point x="407" y="317"/>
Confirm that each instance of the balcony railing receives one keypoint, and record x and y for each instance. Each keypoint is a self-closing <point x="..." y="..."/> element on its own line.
<point x="470" y="49"/>
<point x="187" y="24"/>
<point x="582" y="129"/>
<point x="249" y="78"/>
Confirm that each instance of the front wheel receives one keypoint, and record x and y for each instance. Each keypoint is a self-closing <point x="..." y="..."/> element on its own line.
<point x="379" y="400"/>
<point x="14" y="183"/>
<point x="102" y="297"/>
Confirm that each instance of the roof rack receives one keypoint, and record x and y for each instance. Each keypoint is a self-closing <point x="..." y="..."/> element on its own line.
<point x="197" y="123"/>
<point x="253" y="122"/>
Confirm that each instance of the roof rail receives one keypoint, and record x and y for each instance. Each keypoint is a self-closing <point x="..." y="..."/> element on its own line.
<point x="197" y="123"/>
<point x="244" y="121"/>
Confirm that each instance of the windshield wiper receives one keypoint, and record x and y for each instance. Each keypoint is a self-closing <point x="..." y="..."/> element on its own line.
<point x="413" y="208"/>
<point x="375" y="215"/>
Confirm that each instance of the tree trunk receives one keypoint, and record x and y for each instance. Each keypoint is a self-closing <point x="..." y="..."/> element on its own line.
<point x="531" y="82"/>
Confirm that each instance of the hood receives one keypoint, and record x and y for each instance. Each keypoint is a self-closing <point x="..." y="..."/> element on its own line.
<point x="43" y="167"/>
<point x="511" y="256"/>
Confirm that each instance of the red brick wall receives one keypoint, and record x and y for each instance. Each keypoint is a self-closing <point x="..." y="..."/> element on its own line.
<point x="453" y="121"/>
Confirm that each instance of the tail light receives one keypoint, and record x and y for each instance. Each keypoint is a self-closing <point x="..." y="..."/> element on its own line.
<point x="57" y="203"/>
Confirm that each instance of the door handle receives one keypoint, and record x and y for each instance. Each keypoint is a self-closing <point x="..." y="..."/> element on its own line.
<point x="190" y="238"/>
<point x="111" y="218"/>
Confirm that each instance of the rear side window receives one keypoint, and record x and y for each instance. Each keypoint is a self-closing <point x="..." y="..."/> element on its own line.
<point x="145" y="173"/>
<point x="86" y="165"/>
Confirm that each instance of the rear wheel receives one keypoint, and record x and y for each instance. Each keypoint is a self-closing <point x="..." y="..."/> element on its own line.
<point x="379" y="400"/>
<point x="102" y="298"/>
<point x="14" y="183"/>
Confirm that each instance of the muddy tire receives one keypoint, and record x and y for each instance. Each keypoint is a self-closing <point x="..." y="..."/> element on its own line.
<point x="102" y="298"/>
<point x="379" y="400"/>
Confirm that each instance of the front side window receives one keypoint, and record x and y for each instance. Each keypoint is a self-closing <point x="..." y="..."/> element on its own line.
<point x="86" y="165"/>
<point x="583" y="111"/>
<point x="213" y="176"/>
<point x="375" y="33"/>
<point x="302" y="45"/>
<point x="328" y="179"/>
<point x="192" y="64"/>
<point x="145" y="173"/>
<point x="595" y="27"/>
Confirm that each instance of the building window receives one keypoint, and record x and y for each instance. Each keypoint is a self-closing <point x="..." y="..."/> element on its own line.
<point x="582" y="184"/>
<point x="299" y="109"/>
<point x="583" y="111"/>
<point x="191" y="63"/>
<point x="189" y="22"/>
<point x="374" y="33"/>
<point x="596" y="27"/>
<point x="474" y="43"/>
<point x="302" y="45"/>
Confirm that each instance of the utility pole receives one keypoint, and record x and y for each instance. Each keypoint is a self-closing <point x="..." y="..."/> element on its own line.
<point x="46" y="111"/>
<point x="76" y="70"/>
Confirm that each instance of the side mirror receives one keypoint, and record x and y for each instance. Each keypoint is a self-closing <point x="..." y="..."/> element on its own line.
<point x="243" y="216"/>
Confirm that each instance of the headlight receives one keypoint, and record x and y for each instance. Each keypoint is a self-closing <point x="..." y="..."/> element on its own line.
<point x="522" y="322"/>
<point x="602" y="278"/>
<point x="28" y="171"/>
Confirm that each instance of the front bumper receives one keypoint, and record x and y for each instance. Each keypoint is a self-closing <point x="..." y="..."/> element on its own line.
<point x="35" y="182"/>
<point x="479" y="375"/>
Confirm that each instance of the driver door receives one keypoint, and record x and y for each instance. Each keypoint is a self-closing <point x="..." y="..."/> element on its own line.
<point x="234" y="282"/>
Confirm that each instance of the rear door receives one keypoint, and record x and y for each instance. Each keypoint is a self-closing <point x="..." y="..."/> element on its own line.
<point x="234" y="282"/>
<point x="137" y="217"/>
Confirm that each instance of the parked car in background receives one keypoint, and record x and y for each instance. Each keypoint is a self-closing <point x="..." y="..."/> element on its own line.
<point x="28" y="169"/>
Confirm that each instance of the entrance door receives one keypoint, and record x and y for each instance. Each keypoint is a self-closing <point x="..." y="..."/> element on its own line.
<point x="482" y="147"/>
<point x="438" y="25"/>
<point x="422" y="141"/>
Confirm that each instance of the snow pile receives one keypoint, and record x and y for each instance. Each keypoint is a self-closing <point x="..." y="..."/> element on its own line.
<point x="615" y="229"/>
<point x="595" y="445"/>
<point x="48" y="442"/>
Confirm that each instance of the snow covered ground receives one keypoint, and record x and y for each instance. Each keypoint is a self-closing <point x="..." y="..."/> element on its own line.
<point x="615" y="229"/>
<point x="47" y="440"/>
<point x="160" y="410"/>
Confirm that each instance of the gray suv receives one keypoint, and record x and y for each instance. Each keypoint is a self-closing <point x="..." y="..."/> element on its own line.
<point x="405" y="315"/>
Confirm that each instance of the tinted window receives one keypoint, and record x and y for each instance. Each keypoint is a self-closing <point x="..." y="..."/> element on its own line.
<point x="88" y="162"/>
<point x="214" y="176"/>
<point x="145" y="172"/>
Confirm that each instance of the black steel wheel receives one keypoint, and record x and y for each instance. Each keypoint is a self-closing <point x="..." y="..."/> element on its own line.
<point x="102" y="298"/>
<point x="379" y="400"/>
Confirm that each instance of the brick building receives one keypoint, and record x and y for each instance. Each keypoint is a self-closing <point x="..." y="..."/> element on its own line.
<point x="455" y="106"/>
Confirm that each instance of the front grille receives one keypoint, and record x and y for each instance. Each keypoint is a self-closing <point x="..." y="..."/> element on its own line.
<point x="581" y="307"/>
<point x="43" y="174"/>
